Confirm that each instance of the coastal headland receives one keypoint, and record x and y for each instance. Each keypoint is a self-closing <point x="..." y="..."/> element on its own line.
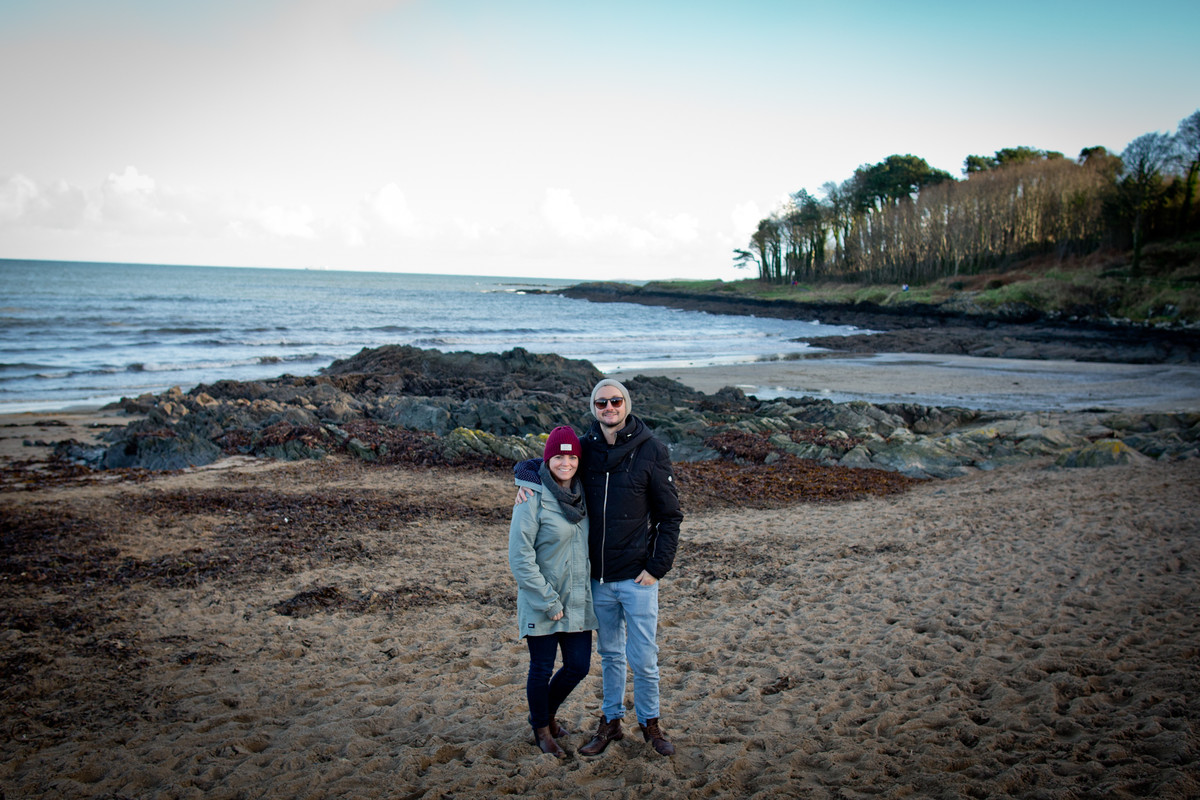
<point x="955" y="327"/>
<point x="299" y="587"/>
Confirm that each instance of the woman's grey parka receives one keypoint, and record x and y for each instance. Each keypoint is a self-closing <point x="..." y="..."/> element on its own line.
<point x="549" y="558"/>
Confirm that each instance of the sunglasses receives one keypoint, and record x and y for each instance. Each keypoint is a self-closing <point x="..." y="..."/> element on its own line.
<point x="616" y="402"/>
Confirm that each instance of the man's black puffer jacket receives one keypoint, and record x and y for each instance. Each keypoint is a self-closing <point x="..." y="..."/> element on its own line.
<point x="632" y="503"/>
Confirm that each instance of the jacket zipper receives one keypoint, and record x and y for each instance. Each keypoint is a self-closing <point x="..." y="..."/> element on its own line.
<point x="604" y="525"/>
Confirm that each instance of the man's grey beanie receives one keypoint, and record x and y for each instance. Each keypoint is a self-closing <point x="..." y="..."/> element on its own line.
<point x="620" y="388"/>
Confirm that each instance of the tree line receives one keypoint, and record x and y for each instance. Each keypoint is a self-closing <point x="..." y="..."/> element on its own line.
<point x="903" y="221"/>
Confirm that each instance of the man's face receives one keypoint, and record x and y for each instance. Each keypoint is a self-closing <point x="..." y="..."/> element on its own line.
<point x="610" y="407"/>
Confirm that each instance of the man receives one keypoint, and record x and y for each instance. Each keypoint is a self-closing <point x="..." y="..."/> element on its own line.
<point x="634" y="511"/>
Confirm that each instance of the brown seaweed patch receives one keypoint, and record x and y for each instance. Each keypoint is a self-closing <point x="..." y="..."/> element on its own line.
<point x="47" y="544"/>
<point x="255" y="532"/>
<point x="32" y="475"/>
<point x="340" y="509"/>
<point x="707" y="485"/>
<point x="330" y="599"/>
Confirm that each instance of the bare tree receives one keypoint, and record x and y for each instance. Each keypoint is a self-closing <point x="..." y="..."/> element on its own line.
<point x="1187" y="144"/>
<point x="1145" y="158"/>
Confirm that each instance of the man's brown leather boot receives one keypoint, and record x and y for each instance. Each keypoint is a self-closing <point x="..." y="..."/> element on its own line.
<point x="605" y="732"/>
<point x="657" y="739"/>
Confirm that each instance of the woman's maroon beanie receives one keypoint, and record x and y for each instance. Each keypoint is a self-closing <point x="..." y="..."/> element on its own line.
<point x="562" y="441"/>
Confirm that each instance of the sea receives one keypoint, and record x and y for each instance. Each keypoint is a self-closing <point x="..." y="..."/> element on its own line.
<point x="81" y="335"/>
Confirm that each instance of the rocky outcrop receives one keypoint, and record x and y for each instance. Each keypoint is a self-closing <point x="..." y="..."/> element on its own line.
<point x="358" y="405"/>
<point x="406" y="405"/>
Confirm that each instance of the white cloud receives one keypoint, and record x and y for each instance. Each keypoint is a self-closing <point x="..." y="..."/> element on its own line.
<point x="131" y="202"/>
<point x="130" y="182"/>
<point x="26" y="204"/>
<point x="567" y="220"/>
<point x="18" y="195"/>
<point x="563" y="215"/>
<point x="391" y="207"/>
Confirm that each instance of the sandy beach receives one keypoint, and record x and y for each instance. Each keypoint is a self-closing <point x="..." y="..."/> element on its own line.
<point x="336" y="629"/>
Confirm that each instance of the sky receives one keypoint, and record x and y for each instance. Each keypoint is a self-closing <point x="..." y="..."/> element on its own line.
<point x="614" y="140"/>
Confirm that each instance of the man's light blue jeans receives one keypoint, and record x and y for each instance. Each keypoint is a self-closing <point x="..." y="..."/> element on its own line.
<point x="628" y="617"/>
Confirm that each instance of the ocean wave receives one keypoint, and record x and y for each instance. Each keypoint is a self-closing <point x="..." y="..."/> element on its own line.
<point x="24" y="366"/>
<point x="40" y="373"/>
<point x="192" y="366"/>
<point x="175" y="300"/>
<point x="181" y="330"/>
<point x="385" y="329"/>
<point x="135" y="367"/>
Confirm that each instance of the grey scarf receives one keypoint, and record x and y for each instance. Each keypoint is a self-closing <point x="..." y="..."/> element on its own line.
<point x="573" y="506"/>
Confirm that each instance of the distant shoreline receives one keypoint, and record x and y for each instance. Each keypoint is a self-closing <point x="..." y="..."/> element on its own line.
<point x="929" y="329"/>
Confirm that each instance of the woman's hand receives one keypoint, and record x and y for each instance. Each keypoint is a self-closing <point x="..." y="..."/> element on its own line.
<point x="556" y="617"/>
<point x="523" y="494"/>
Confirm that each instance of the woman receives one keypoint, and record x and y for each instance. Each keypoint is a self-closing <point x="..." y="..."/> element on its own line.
<point x="548" y="554"/>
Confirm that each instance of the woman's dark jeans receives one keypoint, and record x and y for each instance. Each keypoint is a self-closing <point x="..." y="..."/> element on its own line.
<point x="546" y="693"/>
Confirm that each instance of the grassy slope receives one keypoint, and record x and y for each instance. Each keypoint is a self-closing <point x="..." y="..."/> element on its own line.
<point x="1099" y="285"/>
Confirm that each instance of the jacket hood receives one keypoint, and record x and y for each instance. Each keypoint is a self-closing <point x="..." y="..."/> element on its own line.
<point x="527" y="471"/>
<point x="628" y="438"/>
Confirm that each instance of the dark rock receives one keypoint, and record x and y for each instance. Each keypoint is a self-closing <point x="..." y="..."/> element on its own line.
<point x="363" y="451"/>
<point x="339" y="411"/>
<point x="232" y="390"/>
<point x="432" y="373"/>
<point x="161" y="452"/>
<point x="295" y="416"/>
<point x="418" y="414"/>
<point x="1100" y="454"/>
<point x="74" y="452"/>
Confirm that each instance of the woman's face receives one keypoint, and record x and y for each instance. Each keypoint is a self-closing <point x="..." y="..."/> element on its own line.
<point x="563" y="468"/>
